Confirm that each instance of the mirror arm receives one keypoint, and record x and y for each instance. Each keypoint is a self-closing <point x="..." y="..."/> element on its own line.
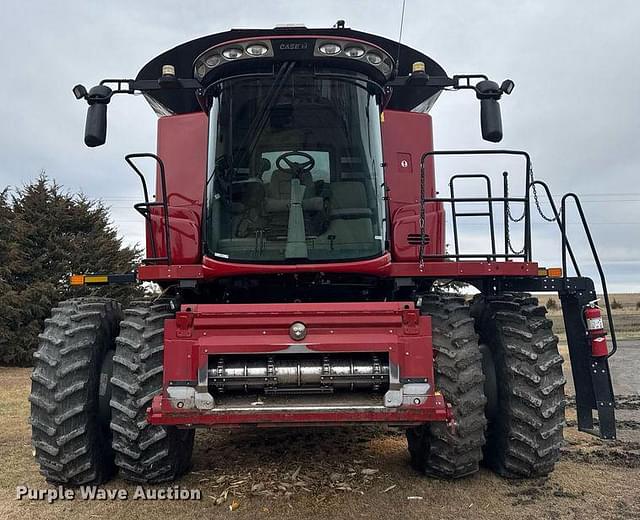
<point x="99" y="97"/>
<point x="132" y="86"/>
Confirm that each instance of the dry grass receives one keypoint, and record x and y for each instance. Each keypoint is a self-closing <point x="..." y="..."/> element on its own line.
<point x="577" y="489"/>
<point x="626" y="319"/>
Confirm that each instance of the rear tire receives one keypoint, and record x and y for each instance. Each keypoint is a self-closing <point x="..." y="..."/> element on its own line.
<point x="70" y="432"/>
<point x="145" y="453"/>
<point x="524" y="438"/>
<point x="435" y="449"/>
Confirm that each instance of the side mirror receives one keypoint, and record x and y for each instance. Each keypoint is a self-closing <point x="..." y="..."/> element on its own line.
<point x="95" y="130"/>
<point x="491" y="120"/>
<point x="488" y="92"/>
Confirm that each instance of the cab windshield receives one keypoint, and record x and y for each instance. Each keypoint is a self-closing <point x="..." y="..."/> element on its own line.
<point x="295" y="169"/>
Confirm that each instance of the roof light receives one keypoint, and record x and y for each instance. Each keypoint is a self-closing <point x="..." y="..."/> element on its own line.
<point x="330" y="48"/>
<point x="354" y="51"/>
<point x="232" y="53"/>
<point x="374" y="58"/>
<point x="212" y="61"/>
<point x="257" y="49"/>
<point x="168" y="70"/>
<point x="418" y="66"/>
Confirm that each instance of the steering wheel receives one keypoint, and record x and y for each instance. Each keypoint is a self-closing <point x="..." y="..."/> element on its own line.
<point x="295" y="167"/>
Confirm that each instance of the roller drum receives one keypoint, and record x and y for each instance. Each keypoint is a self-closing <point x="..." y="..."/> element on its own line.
<point x="289" y="374"/>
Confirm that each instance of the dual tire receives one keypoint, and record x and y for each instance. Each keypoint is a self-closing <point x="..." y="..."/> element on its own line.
<point x="94" y="376"/>
<point x="497" y="364"/>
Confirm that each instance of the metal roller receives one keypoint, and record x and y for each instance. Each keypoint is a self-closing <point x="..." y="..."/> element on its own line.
<point x="298" y="374"/>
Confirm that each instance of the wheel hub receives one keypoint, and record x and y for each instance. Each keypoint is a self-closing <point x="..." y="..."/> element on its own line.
<point x="490" y="382"/>
<point x="104" y="390"/>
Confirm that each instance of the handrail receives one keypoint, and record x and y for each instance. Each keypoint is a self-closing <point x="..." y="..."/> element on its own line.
<point x="565" y="240"/>
<point x="143" y="207"/>
<point x="526" y="254"/>
<point x="455" y="214"/>
<point x="596" y="258"/>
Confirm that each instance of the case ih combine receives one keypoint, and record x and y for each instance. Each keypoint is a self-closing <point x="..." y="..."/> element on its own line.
<point x="299" y="242"/>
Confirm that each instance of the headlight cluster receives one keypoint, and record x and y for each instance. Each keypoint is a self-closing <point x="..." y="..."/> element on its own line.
<point x="253" y="48"/>
<point x="230" y="52"/>
<point x="359" y="51"/>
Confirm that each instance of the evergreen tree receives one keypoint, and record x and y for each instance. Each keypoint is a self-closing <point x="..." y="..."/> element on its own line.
<point x="8" y="310"/>
<point x="46" y="234"/>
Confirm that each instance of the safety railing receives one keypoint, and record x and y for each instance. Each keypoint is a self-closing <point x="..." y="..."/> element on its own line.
<point x="490" y="200"/>
<point x="144" y="208"/>
<point x="531" y="187"/>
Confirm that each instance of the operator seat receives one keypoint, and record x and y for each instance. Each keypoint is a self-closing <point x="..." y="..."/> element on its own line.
<point x="278" y="193"/>
<point x="349" y="201"/>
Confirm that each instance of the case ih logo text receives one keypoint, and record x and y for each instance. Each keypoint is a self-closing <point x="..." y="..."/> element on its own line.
<point x="293" y="46"/>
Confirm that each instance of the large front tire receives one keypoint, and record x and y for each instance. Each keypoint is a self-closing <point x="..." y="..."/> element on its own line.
<point x="525" y="435"/>
<point x="70" y="431"/>
<point x="145" y="453"/>
<point x="435" y="448"/>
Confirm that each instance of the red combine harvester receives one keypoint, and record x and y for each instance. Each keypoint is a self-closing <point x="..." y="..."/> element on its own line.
<point x="299" y="242"/>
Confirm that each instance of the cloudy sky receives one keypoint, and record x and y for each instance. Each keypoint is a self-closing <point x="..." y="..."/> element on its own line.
<point x="576" y="106"/>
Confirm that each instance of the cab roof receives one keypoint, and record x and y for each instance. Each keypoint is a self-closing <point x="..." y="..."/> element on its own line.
<point x="182" y="57"/>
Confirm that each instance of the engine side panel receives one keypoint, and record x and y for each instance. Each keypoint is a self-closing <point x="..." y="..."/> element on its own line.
<point x="182" y="146"/>
<point x="405" y="137"/>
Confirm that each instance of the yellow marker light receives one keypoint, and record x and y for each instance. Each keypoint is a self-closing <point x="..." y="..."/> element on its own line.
<point x="542" y="271"/>
<point x="101" y="278"/>
<point x="418" y="66"/>
<point x="554" y="272"/>
<point x="76" y="279"/>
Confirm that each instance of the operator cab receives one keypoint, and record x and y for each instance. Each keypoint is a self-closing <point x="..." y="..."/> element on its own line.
<point x="295" y="168"/>
<point x="294" y="160"/>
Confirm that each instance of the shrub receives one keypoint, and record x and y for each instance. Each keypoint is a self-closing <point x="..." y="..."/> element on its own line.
<point x="45" y="235"/>
<point x="551" y="304"/>
<point x="616" y="304"/>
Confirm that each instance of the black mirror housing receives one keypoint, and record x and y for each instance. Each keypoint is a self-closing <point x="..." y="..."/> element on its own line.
<point x="95" y="130"/>
<point x="491" y="120"/>
<point x="488" y="92"/>
<point x="80" y="92"/>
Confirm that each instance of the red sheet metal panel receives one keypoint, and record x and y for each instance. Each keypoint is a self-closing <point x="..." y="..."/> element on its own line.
<point x="394" y="328"/>
<point x="182" y="146"/>
<point x="406" y="136"/>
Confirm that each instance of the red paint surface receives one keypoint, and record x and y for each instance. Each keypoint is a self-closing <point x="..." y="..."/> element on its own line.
<point x="405" y="137"/>
<point x="182" y="146"/>
<point x="200" y="331"/>
<point x="379" y="266"/>
<point x="433" y="409"/>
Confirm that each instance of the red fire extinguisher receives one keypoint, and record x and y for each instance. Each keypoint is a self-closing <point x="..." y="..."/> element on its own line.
<point x="595" y="329"/>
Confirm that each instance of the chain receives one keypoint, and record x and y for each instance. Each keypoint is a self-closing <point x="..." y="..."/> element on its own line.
<point x="537" y="201"/>
<point x="509" y="214"/>
<point x="508" y="235"/>
<point x="510" y="217"/>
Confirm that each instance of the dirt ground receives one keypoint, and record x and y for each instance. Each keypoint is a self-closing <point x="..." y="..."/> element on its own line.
<point x="350" y="472"/>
